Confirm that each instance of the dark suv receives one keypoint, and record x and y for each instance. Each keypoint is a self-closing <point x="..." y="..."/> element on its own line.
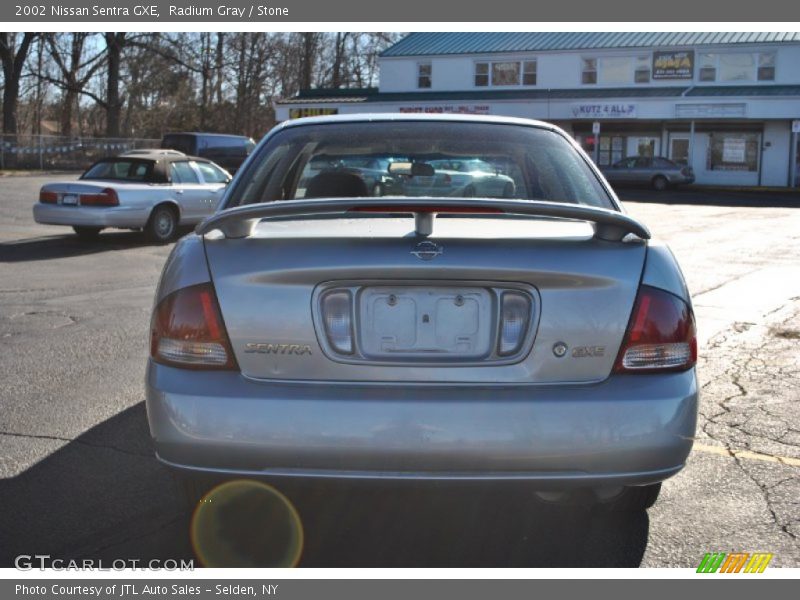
<point x="228" y="151"/>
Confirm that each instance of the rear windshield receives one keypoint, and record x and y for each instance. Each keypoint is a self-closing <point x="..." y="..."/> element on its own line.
<point x="416" y="159"/>
<point x="123" y="170"/>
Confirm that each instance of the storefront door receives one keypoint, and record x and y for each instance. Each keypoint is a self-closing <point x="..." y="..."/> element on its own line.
<point x="679" y="148"/>
<point x="797" y="162"/>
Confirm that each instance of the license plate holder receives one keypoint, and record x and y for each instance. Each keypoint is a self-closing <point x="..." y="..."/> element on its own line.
<point x="69" y="199"/>
<point x="421" y="322"/>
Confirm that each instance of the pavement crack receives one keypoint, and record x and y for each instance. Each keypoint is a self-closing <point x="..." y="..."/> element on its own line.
<point x="135" y="537"/>
<point x="75" y="441"/>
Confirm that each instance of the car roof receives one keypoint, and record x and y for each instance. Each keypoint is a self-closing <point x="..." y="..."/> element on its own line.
<point x="156" y="156"/>
<point x="451" y="117"/>
<point x="200" y="133"/>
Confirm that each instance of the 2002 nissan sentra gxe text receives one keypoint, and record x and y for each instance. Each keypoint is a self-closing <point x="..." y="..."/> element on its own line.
<point x="311" y="329"/>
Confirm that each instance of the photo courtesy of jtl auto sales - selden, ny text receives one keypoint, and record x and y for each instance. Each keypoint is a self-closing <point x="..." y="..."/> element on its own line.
<point x="479" y="301"/>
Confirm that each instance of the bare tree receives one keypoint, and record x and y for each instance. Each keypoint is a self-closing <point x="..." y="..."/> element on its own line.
<point x="13" y="53"/>
<point x="75" y="68"/>
<point x="115" y="42"/>
<point x="145" y="84"/>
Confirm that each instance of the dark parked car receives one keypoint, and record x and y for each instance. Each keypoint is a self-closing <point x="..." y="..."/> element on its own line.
<point x="228" y="151"/>
<point x="656" y="171"/>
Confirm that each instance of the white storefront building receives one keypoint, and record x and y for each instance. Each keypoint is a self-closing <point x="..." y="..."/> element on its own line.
<point x="726" y="103"/>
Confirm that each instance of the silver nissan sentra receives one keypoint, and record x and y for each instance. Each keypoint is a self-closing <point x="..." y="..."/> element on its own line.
<point x="318" y="331"/>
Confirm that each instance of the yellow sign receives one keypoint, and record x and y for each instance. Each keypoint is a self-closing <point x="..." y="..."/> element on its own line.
<point x="299" y="113"/>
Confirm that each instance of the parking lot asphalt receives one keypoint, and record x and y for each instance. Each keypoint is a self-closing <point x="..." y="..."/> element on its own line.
<point x="78" y="478"/>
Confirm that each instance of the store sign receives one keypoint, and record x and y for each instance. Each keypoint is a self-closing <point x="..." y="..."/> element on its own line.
<point x="463" y="109"/>
<point x="298" y="113"/>
<point x="701" y="110"/>
<point x="673" y="65"/>
<point x="616" y="110"/>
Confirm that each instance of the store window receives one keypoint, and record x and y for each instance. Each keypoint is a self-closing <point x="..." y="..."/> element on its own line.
<point x="708" y="67"/>
<point x="505" y="73"/>
<point x="616" y="70"/>
<point x="481" y="74"/>
<point x="529" y="72"/>
<point x="646" y="145"/>
<point x="424" y="72"/>
<point x="589" y="73"/>
<point x="729" y="151"/>
<point x="642" y="72"/>
<point x="737" y="67"/>
<point x="766" y="66"/>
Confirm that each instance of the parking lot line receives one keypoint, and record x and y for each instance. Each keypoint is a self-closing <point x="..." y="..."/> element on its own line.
<point x="747" y="454"/>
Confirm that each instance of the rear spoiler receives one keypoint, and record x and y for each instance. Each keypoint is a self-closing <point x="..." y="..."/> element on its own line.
<point x="240" y="221"/>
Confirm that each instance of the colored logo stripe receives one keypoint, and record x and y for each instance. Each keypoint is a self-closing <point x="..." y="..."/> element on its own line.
<point x="711" y="562"/>
<point x="758" y="563"/>
<point x="735" y="562"/>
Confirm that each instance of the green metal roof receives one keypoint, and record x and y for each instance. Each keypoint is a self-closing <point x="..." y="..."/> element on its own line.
<point x="360" y="95"/>
<point x="432" y="43"/>
<point x="745" y="90"/>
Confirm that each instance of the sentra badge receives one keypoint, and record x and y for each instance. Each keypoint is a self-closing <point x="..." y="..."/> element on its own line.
<point x="266" y="348"/>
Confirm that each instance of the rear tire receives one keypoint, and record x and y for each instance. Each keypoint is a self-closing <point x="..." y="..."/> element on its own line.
<point x="660" y="183"/>
<point x="162" y="224"/>
<point x="87" y="233"/>
<point x="632" y="499"/>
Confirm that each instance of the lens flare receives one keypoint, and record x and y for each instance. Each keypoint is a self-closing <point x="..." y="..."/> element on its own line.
<point x="246" y="523"/>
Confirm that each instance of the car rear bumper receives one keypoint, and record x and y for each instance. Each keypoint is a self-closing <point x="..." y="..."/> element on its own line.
<point x="627" y="430"/>
<point x="90" y="216"/>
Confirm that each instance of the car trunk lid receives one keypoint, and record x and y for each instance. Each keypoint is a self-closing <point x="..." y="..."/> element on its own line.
<point x="425" y="309"/>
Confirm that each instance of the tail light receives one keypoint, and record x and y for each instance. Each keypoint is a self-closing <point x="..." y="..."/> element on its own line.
<point x="336" y="313"/>
<point x="515" y="313"/>
<point x="660" y="336"/>
<point x="48" y="197"/>
<point x="187" y="331"/>
<point x="107" y="197"/>
<point x="686" y="171"/>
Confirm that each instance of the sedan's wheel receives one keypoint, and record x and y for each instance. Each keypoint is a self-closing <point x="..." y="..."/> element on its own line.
<point x="660" y="183"/>
<point x="377" y="190"/>
<point x="162" y="225"/>
<point x="87" y="233"/>
<point x="631" y="499"/>
<point x="508" y="190"/>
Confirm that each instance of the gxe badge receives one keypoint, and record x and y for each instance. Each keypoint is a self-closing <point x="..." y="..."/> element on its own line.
<point x="427" y="250"/>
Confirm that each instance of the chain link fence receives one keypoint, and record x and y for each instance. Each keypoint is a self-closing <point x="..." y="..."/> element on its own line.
<point x="54" y="152"/>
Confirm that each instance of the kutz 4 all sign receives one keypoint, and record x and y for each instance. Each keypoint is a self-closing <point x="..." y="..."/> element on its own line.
<point x="611" y="110"/>
<point x="736" y="562"/>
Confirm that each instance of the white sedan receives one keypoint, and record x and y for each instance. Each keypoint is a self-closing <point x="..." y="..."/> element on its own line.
<point x="465" y="178"/>
<point x="153" y="190"/>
